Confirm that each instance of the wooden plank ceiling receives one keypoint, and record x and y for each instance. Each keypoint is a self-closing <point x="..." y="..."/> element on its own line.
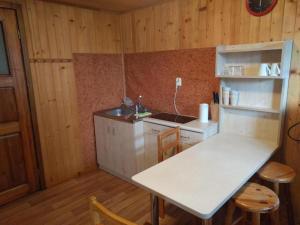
<point x="113" y="5"/>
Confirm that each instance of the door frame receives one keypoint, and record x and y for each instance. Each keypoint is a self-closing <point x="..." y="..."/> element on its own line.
<point x="28" y="78"/>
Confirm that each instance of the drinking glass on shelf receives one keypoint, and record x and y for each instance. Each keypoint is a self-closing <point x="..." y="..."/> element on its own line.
<point x="238" y="70"/>
<point x="233" y="70"/>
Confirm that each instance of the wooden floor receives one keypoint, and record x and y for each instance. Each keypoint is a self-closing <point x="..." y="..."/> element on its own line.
<point x="66" y="204"/>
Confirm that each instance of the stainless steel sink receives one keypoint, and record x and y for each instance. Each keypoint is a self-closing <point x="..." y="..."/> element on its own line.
<point x="119" y="112"/>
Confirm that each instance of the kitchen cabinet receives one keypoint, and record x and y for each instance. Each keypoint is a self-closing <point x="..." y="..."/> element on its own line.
<point x="125" y="148"/>
<point x="120" y="146"/>
<point x="151" y="130"/>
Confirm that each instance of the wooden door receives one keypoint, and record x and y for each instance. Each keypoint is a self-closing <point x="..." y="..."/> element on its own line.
<point x="18" y="175"/>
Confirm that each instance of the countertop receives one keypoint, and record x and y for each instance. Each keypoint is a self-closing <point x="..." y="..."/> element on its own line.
<point x="204" y="177"/>
<point x="194" y="125"/>
<point x="209" y="128"/>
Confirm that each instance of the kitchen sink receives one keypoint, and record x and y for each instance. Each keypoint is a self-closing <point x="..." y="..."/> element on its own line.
<point x="119" y="112"/>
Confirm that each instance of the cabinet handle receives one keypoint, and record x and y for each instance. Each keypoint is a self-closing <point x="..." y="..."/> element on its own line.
<point x="183" y="137"/>
<point x="155" y="131"/>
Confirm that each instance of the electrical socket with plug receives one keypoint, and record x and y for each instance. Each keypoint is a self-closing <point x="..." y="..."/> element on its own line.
<point x="178" y="82"/>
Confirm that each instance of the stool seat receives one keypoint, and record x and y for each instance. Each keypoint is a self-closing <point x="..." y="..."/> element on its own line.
<point x="256" y="198"/>
<point x="277" y="173"/>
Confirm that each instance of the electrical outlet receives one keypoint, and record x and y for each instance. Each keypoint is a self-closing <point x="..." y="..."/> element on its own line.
<point x="178" y="82"/>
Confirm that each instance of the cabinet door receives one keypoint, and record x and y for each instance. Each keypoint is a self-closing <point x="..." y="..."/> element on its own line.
<point x="125" y="149"/>
<point x="190" y="138"/>
<point x="150" y="149"/>
<point x="116" y="148"/>
<point x="139" y="146"/>
<point x="103" y="139"/>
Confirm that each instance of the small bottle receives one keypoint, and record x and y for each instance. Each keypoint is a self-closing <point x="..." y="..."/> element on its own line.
<point x="234" y="98"/>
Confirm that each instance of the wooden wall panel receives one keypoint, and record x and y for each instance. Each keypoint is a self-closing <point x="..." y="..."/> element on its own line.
<point x="55" y="93"/>
<point x="58" y="31"/>
<point x="53" y="33"/>
<point x="203" y="23"/>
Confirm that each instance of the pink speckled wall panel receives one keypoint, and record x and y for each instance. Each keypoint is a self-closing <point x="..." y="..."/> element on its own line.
<point x="153" y="76"/>
<point x="100" y="85"/>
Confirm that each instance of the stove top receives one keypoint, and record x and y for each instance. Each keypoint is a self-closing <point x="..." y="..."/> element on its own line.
<point x="173" y="118"/>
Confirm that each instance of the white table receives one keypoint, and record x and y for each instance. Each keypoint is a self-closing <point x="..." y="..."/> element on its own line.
<point x="203" y="178"/>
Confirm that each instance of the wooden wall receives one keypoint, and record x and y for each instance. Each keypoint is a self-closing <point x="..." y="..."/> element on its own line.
<point x="186" y="24"/>
<point x="54" y="32"/>
<point x="204" y="23"/>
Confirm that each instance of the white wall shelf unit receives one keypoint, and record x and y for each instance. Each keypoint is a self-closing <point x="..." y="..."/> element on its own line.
<point x="262" y="99"/>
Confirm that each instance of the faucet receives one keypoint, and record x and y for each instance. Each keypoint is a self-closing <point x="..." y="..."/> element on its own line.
<point x="138" y="106"/>
<point x="139" y="101"/>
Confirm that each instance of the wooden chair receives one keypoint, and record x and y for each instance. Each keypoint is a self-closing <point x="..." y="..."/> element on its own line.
<point x="99" y="213"/>
<point x="277" y="174"/>
<point x="255" y="199"/>
<point x="162" y="138"/>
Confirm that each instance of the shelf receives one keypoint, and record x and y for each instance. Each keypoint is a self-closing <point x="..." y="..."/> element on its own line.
<point x="269" y="46"/>
<point x="250" y="108"/>
<point x="251" y="77"/>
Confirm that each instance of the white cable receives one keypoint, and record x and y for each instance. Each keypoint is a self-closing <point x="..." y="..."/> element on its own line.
<point x="174" y="101"/>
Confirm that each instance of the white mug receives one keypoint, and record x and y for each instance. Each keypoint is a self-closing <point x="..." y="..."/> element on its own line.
<point x="275" y="70"/>
<point x="264" y="69"/>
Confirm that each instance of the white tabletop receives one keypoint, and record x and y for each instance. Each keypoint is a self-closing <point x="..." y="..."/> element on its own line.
<point x="201" y="179"/>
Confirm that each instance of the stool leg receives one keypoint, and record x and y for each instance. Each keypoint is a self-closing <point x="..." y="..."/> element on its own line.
<point x="289" y="205"/>
<point x="230" y="212"/>
<point x="274" y="215"/>
<point x="161" y="207"/>
<point x="255" y="219"/>
<point x="244" y="218"/>
<point x="276" y="188"/>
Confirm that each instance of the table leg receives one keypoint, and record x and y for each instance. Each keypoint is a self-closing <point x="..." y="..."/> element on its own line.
<point x="154" y="210"/>
<point x="207" y="222"/>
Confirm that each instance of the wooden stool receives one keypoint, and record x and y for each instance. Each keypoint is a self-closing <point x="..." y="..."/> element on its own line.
<point x="255" y="199"/>
<point x="164" y="144"/>
<point x="278" y="173"/>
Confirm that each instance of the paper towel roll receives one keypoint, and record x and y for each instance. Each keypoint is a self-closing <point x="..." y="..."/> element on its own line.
<point x="203" y="113"/>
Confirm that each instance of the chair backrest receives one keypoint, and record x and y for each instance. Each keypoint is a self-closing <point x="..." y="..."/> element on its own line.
<point x="161" y="139"/>
<point x="99" y="214"/>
